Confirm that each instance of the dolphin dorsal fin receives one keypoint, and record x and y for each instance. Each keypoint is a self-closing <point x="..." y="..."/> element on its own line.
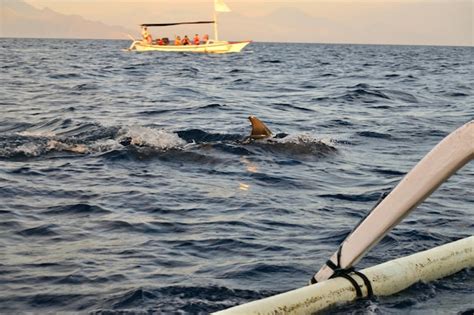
<point x="259" y="130"/>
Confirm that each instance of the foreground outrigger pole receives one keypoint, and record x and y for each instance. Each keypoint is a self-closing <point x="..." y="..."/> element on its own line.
<point x="452" y="153"/>
<point x="387" y="279"/>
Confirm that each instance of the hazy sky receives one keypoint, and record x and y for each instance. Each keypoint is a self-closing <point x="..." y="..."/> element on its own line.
<point x="424" y="22"/>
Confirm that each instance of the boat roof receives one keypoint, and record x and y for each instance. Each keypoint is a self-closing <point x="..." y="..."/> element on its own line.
<point x="176" y="23"/>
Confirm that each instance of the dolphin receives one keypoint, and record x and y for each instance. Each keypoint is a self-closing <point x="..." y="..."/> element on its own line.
<point x="260" y="137"/>
<point x="259" y="129"/>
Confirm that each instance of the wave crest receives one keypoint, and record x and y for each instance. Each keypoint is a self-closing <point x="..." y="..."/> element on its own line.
<point x="158" y="139"/>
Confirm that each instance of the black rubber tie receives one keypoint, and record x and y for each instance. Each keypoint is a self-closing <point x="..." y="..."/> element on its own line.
<point x="370" y="291"/>
<point x="352" y="281"/>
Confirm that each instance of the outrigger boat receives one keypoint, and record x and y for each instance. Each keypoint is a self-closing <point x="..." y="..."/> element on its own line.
<point x="338" y="282"/>
<point x="209" y="46"/>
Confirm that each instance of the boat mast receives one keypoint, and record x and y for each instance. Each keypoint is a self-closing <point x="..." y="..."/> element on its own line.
<point x="216" y="34"/>
<point x="219" y="6"/>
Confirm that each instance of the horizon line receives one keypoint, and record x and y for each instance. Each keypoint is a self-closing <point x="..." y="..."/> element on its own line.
<point x="262" y="42"/>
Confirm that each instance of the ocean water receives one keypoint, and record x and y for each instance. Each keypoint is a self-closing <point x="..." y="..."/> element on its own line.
<point x="125" y="183"/>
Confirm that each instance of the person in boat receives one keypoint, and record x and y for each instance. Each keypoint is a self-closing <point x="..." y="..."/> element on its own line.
<point x="146" y="36"/>
<point x="205" y="38"/>
<point x="196" y="40"/>
<point x="177" y="41"/>
<point x="185" y="40"/>
<point x="160" y="42"/>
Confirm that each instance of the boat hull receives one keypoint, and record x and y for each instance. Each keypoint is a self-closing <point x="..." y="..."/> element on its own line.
<point x="211" y="47"/>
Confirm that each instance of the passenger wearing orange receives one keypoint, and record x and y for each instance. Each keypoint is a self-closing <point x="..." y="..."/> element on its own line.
<point x="196" y="39"/>
<point x="147" y="36"/>
<point x="177" y="41"/>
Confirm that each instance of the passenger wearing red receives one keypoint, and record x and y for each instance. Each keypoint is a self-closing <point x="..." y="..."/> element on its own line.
<point x="196" y="39"/>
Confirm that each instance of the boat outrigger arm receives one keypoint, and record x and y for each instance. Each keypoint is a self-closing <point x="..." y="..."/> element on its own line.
<point x="448" y="156"/>
<point x="452" y="153"/>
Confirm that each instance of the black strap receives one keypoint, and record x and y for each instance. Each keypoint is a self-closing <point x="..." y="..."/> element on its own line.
<point x="332" y="265"/>
<point x="344" y="273"/>
<point x="370" y="292"/>
<point x="340" y="272"/>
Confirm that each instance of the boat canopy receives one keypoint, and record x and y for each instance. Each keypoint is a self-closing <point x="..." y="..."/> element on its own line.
<point x="178" y="23"/>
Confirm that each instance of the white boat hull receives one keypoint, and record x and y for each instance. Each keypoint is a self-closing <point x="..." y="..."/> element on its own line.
<point x="220" y="47"/>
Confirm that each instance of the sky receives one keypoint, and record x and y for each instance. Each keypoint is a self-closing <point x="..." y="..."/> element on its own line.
<point x="412" y="22"/>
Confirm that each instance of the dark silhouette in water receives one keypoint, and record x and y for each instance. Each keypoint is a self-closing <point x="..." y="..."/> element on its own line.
<point x="259" y="131"/>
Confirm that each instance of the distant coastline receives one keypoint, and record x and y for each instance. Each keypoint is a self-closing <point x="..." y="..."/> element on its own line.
<point x="284" y="23"/>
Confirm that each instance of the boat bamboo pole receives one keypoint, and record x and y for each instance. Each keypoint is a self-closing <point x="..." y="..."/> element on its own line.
<point x="448" y="156"/>
<point x="386" y="279"/>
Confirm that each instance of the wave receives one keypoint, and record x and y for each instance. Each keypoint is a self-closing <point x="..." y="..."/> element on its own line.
<point x="271" y="61"/>
<point x="64" y="137"/>
<point x="153" y="138"/>
<point x="297" y="145"/>
<point x="85" y="87"/>
<point x="288" y="107"/>
<point x="366" y="197"/>
<point x="186" y="299"/>
<point x="59" y="135"/>
<point x="65" y="76"/>
<point x="45" y="230"/>
<point x="213" y="105"/>
<point x="368" y="94"/>
<point x="373" y="134"/>
<point x="365" y="93"/>
<point x="76" y="209"/>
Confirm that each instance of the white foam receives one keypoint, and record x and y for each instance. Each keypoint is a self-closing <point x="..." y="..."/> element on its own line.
<point x="37" y="133"/>
<point x="29" y="149"/>
<point x="159" y="139"/>
<point x="303" y="139"/>
<point x="297" y="139"/>
<point x="105" y="145"/>
<point x="61" y="146"/>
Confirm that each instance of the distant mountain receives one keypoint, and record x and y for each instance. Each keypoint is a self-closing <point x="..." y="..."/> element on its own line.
<point x="19" y="19"/>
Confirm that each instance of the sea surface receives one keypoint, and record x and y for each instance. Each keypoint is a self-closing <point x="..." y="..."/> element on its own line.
<point x="126" y="183"/>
